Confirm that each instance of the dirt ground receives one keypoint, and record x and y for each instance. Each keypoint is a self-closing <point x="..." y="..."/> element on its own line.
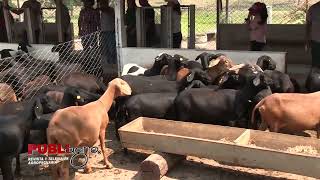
<point x="126" y="166"/>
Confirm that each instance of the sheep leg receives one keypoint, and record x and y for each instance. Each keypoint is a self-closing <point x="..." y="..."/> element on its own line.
<point x="103" y="148"/>
<point x="263" y="126"/>
<point x="18" y="169"/>
<point x="318" y="131"/>
<point x="63" y="170"/>
<point x="6" y="168"/>
<point x="275" y="127"/>
<point x="88" y="168"/>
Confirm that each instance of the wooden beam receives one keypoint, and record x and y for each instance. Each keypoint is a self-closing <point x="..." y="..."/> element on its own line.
<point x="150" y="133"/>
<point x="158" y="164"/>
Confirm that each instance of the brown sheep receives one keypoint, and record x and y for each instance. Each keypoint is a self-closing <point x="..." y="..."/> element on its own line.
<point x="32" y="87"/>
<point x="83" y="125"/>
<point x="219" y="66"/>
<point x="7" y="94"/>
<point x="289" y="113"/>
<point x="182" y="73"/>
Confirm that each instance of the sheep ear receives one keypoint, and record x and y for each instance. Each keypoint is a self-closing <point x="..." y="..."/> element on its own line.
<point x="38" y="110"/>
<point x="256" y="81"/>
<point x="214" y="63"/>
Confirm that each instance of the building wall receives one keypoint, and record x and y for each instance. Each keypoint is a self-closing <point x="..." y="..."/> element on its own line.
<point x="283" y="38"/>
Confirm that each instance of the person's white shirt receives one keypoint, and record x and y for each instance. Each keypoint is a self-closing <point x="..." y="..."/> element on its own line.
<point x="313" y="16"/>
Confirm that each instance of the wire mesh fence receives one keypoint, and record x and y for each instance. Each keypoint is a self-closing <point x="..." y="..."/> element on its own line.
<point x="280" y="12"/>
<point x="26" y="73"/>
<point x="185" y="24"/>
<point x="49" y="15"/>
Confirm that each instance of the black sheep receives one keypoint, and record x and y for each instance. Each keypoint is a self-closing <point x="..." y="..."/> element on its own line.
<point x="266" y="63"/>
<point x="14" y="131"/>
<point x="221" y="106"/>
<point x="155" y="84"/>
<point x="154" y="105"/>
<point x="313" y="80"/>
<point x="281" y="82"/>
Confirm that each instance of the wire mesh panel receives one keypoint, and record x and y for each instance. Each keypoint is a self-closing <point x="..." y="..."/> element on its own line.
<point x="280" y="12"/>
<point x="185" y="26"/>
<point x="26" y="73"/>
<point x="49" y="15"/>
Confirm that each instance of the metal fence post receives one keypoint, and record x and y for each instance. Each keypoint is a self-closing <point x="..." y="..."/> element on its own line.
<point x="120" y="30"/>
<point x="227" y="11"/>
<point x="219" y="7"/>
<point x="58" y="20"/>
<point x="166" y="27"/>
<point x="28" y="24"/>
<point x="8" y="25"/>
<point x="192" y="27"/>
<point x="269" y="8"/>
<point x="163" y="25"/>
<point x="140" y="26"/>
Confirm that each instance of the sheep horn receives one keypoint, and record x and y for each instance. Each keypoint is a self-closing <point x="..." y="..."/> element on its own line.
<point x="258" y="68"/>
<point x="204" y="62"/>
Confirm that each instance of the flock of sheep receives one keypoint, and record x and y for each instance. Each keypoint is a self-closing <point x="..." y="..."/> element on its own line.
<point x="75" y="110"/>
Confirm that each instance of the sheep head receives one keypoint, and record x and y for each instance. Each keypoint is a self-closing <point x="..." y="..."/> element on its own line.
<point x="266" y="63"/>
<point x="222" y="61"/>
<point x="122" y="87"/>
<point x="219" y="67"/>
<point x="7" y="94"/>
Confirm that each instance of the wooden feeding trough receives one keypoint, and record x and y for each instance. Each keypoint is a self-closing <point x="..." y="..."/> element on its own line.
<point x="236" y="146"/>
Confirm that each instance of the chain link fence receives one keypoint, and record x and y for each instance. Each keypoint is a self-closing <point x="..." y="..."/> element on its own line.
<point x="26" y="73"/>
<point x="280" y="11"/>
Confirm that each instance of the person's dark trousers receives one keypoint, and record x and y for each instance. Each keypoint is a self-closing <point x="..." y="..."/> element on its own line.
<point x="149" y="38"/>
<point x="315" y="52"/>
<point x="177" y="38"/>
<point x="108" y="47"/>
<point x="36" y="33"/>
<point x="131" y="39"/>
<point x="256" y="46"/>
<point x="3" y="34"/>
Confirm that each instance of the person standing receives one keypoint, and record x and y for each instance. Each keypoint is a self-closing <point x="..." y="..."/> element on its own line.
<point x="89" y="22"/>
<point x="130" y="21"/>
<point x="149" y="22"/>
<point x="35" y="16"/>
<point x="176" y="22"/>
<point x="313" y="33"/>
<point x="257" y="25"/>
<point x="108" y="37"/>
